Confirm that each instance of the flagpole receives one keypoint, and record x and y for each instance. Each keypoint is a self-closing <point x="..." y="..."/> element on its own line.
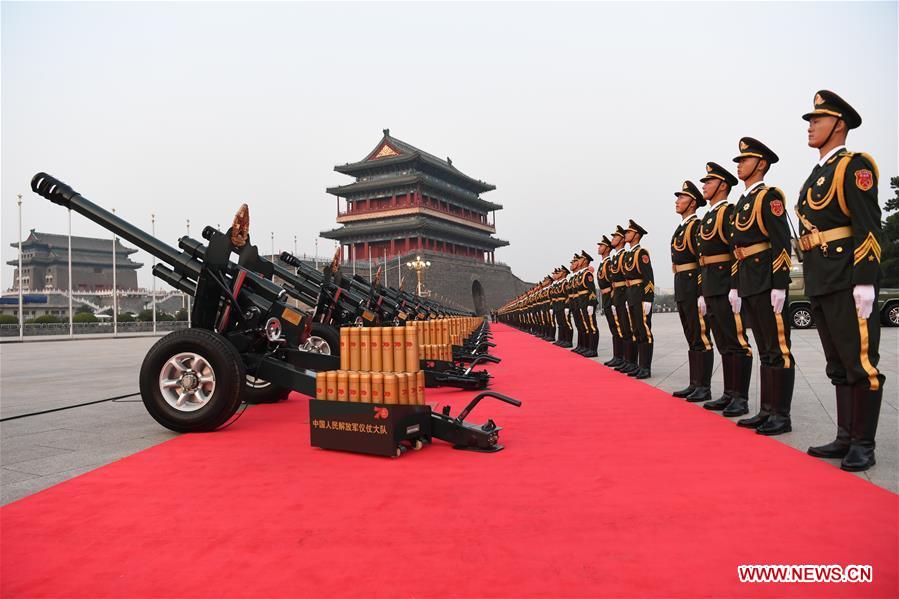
<point x="21" y="303"/>
<point x="187" y="294"/>
<point x="115" y="297"/>
<point x="152" y="277"/>
<point x="71" y="315"/>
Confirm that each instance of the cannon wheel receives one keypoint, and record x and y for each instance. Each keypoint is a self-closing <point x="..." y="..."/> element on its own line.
<point x="323" y="340"/>
<point x="191" y="380"/>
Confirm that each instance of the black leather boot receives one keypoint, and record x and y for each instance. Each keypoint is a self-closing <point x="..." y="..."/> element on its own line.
<point x="630" y="358"/>
<point x="645" y="360"/>
<point x="705" y="361"/>
<point x="778" y="422"/>
<point x="865" y="412"/>
<point x="727" y="372"/>
<point x="766" y="395"/>
<point x="839" y="447"/>
<point x="593" y="345"/>
<point x="693" y="358"/>
<point x="739" y="405"/>
<point x="625" y="355"/>
<point x="616" y="350"/>
<point x="635" y="360"/>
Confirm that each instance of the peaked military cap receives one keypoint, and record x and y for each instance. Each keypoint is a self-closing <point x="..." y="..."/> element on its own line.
<point x="619" y="230"/>
<point x="575" y="257"/>
<point x="713" y="170"/>
<point x="564" y="269"/>
<point x="586" y="256"/>
<point x="690" y="190"/>
<point x="756" y="149"/>
<point x="632" y="226"/>
<point x="828" y="103"/>
<point x="605" y="241"/>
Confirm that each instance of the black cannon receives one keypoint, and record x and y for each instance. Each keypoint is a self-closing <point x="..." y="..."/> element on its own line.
<point x="243" y="328"/>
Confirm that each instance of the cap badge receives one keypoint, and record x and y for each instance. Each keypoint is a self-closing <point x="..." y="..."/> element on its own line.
<point x="708" y="168"/>
<point x="743" y="146"/>
<point x="818" y="100"/>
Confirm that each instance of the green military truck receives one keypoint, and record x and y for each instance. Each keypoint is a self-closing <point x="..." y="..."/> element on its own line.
<point x="800" y="309"/>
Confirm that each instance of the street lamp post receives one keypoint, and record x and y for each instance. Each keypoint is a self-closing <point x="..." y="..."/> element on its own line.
<point x="115" y="295"/>
<point x="419" y="266"/>
<point x="21" y="303"/>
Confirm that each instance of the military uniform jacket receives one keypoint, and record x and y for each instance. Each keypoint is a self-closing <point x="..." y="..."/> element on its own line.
<point x="842" y="193"/>
<point x="714" y="240"/>
<point x="685" y="251"/>
<point x="637" y="268"/>
<point x="604" y="282"/>
<point x="759" y="220"/>
<point x="583" y="287"/>
<point x="616" y="272"/>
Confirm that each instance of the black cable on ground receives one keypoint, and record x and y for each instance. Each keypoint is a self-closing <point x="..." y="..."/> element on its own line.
<point x="81" y="405"/>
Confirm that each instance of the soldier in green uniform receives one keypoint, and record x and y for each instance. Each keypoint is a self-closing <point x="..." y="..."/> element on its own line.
<point x="640" y="294"/>
<point x="760" y="242"/>
<point x="628" y="362"/>
<point x="559" y="296"/>
<point x="582" y="292"/>
<point x="604" y="285"/>
<point x="841" y="236"/>
<point x="687" y="281"/>
<point x="588" y="284"/>
<point x="574" y="303"/>
<point x="716" y="264"/>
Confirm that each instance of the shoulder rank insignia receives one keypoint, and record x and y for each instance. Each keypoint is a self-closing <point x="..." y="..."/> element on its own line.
<point x="864" y="179"/>
<point x="777" y="207"/>
<point x="645" y="258"/>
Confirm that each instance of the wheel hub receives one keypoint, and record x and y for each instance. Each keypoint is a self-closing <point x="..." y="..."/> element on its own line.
<point x="187" y="381"/>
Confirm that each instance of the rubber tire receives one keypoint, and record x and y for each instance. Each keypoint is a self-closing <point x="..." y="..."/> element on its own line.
<point x="885" y="315"/>
<point x="329" y="334"/>
<point x="793" y="314"/>
<point x="230" y="376"/>
<point x="268" y="394"/>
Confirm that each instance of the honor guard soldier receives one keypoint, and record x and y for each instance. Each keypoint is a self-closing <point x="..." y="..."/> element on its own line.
<point x="640" y="294"/>
<point x="687" y="280"/>
<point x="716" y="264"/>
<point x="760" y="242"/>
<point x="547" y="329"/>
<point x="573" y="303"/>
<point x="604" y="285"/>
<point x="582" y="291"/>
<point x="559" y="296"/>
<point x="628" y="356"/>
<point x="841" y="236"/>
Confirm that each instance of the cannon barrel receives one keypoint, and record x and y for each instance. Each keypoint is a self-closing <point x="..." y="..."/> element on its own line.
<point x="59" y="193"/>
<point x="179" y="282"/>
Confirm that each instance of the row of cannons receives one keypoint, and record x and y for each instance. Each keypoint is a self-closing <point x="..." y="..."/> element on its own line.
<point x="249" y="342"/>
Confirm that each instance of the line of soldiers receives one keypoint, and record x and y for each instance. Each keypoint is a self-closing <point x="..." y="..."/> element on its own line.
<point x="566" y="301"/>
<point x="733" y="264"/>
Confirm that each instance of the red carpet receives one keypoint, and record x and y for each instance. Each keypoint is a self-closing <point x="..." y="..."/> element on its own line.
<point x="606" y="487"/>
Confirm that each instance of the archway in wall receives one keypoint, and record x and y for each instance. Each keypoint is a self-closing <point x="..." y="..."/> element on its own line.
<point x="477" y="296"/>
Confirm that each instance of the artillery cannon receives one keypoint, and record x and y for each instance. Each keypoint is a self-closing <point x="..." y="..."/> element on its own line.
<point x="243" y="328"/>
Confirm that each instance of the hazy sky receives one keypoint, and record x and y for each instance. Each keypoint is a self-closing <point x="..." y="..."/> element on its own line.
<point x="582" y="115"/>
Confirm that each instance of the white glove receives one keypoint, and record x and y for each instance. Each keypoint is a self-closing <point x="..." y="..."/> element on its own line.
<point x="735" y="302"/>
<point x="590" y="310"/>
<point x="700" y="303"/>
<point x="647" y="307"/>
<point x="567" y="312"/>
<point x="864" y="300"/>
<point x="778" y="296"/>
<point x="550" y="311"/>
<point x="614" y="311"/>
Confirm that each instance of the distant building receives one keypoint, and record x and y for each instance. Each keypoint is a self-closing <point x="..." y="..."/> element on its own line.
<point x="407" y="200"/>
<point x="45" y="263"/>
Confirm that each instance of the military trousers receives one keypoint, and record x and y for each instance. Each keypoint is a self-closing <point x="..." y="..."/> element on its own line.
<point x="696" y="327"/>
<point x="727" y="327"/>
<point x="851" y="344"/>
<point x="619" y="301"/>
<point x="770" y="330"/>
<point x="641" y="323"/>
<point x="611" y="320"/>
